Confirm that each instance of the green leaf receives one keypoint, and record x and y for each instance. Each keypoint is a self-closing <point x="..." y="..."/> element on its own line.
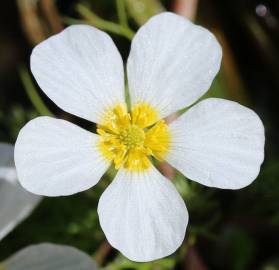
<point x="142" y="10"/>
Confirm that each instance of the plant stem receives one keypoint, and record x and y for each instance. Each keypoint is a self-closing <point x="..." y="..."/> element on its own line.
<point x="32" y="92"/>
<point x="70" y="21"/>
<point x="121" y="12"/>
<point x="100" y="23"/>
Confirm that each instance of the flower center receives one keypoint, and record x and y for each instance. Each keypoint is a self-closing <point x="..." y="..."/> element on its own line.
<point x="128" y="139"/>
<point x="132" y="136"/>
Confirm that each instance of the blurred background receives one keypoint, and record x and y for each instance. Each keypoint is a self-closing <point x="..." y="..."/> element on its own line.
<point x="227" y="229"/>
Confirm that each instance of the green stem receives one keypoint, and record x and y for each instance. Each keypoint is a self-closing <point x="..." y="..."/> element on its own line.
<point x="100" y="23"/>
<point x="70" y="21"/>
<point x="32" y="92"/>
<point x="121" y="12"/>
<point x="127" y="97"/>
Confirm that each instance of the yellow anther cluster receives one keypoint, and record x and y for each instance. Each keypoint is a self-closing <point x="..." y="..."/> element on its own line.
<point x="128" y="139"/>
<point x="132" y="136"/>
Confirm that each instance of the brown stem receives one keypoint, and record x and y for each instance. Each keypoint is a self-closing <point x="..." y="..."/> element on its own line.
<point x="31" y="23"/>
<point x="193" y="260"/>
<point x="51" y="15"/>
<point x="102" y="252"/>
<point x="186" y="8"/>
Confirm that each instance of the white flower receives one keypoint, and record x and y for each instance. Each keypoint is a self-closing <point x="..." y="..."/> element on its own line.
<point x="48" y="256"/>
<point x="172" y="63"/>
<point x="16" y="203"/>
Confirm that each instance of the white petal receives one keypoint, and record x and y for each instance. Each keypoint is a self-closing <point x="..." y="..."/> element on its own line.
<point x="218" y="143"/>
<point x="81" y="70"/>
<point x="7" y="170"/>
<point x="6" y="155"/>
<point x="142" y="215"/>
<point x="15" y="203"/>
<point x="172" y="63"/>
<point x="54" y="157"/>
<point x="49" y="257"/>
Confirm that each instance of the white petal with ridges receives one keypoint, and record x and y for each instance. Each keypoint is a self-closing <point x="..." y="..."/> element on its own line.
<point x="81" y="70"/>
<point x="142" y="215"/>
<point x="54" y="157"/>
<point x="15" y="203"/>
<point x="49" y="257"/>
<point x="218" y="143"/>
<point x="172" y="63"/>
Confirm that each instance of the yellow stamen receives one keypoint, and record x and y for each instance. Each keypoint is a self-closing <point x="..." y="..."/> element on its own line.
<point x="127" y="138"/>
<point x="144" y="115"/>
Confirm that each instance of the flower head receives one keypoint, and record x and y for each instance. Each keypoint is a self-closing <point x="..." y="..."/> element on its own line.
<point x="128" y="140"/>
<point x="171" y="65"/>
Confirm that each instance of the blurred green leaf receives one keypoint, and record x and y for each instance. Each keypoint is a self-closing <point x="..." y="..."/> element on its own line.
<point x="123" y="263"/>
<point x="235" y="247"/>
<point x="33" y="93"/>
<point x="272" y="265"/>
<point x="142" y="10"/>
<point x="14" y="120"/>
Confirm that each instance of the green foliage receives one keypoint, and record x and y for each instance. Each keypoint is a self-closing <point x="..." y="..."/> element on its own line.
<point x="142" y="10"/>
<point x="237" y="248"/>
<point x="121" y="263"/>
<point x="13" y="120"/>
<point x="32" y="92"/>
